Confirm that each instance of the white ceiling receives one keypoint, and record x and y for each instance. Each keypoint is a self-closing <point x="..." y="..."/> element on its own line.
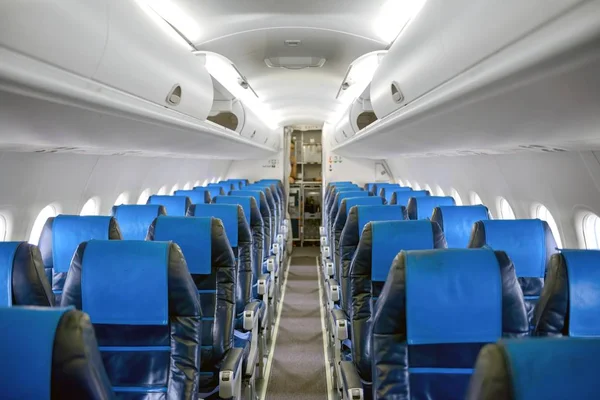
<point x="247" y="32"/>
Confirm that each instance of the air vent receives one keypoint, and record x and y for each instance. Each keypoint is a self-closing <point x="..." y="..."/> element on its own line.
<point x="293" y="42"/>
<point x="541" y="148"/>
<point x="295" y="62"/>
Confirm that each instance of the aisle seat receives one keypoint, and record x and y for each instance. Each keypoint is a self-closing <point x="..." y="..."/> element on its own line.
<point x="401" y="197"/>
<point x="134" y="220"/>
<point x="422" y="207"/>
<point x="457" y="222"/>
<point x="175" y="206"/>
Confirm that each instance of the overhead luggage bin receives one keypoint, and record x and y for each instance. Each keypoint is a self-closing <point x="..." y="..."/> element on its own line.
<point x="107" y="60"/>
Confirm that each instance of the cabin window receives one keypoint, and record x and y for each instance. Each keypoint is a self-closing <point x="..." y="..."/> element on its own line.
<point x="457" y="199"/>
<point x="213" y="180"/>
<point x="440" y="191"/>
<point x="47" y="212"/>
<point x="197" y="183"/>
<point x="162" y="191"/>
<point x="540" y="211"/>
<point x="400" y="182"/>
<point x="3" y="228"/>
<point x="205" y="183"/>
<point x="427" y="187"/>
<point x="416" y="186"/>
<point x="143" y="199"/>
<point x="506" y="211"/>
<point x="591" y="231"/>
<point x="91" y="207"/>
<point x="122" y="199"/>
<point x="187" y="186"/>
<point x="173" y="189"/>
<point x="475" y="199"/>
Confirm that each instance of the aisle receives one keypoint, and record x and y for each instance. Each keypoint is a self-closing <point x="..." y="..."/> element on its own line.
<point x="298" y="366"/>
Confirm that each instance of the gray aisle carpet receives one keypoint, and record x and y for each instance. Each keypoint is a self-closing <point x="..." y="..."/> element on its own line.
<point x="298" y="370"/>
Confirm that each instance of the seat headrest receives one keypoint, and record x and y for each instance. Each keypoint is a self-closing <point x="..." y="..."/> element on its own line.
<point x="245" y="199"/>
<point x="583" y="275"/>
<point x="390" y="237"/>
<point x="68" y="231"/>
<point x="212" y="191"/>
<point x="457" y="222"/>
<point x="226" y="186"/>
<point x="401" y="197"/>
<point x="192" y="234"/>
<point x="422" y="207"/>
<point x="528" y="242"/>
<point x="22" y="278"/>
<point x="512" y="369"/>
<point x="388" y="191"/>
<point x="455" y="288"/>
<point x="134" y="220"/>
<point x="196" y="196"/>
<point x="367" y="214"/>
<point x="370" y="187"/>
<point x="125" y="282"/>
<point x="361" y="201"/>
<point x="346" y="195"/>
<point x="176" y="206"/>
<point x="30" y="370"/>
<point x="229" y="214"/>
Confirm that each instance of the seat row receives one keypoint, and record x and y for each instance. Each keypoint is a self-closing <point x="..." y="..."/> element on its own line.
<point x="183" y="306"/>
<point x="413" y="301"/>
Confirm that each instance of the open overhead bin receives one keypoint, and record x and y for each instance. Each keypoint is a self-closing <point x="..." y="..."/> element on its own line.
<point x="468" y="76"/>
<point x="112" y="59"/>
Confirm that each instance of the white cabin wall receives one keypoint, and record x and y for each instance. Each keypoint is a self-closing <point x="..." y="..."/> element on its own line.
<point x="358" y="170"/>
<point x="567" y="183"/>
<point x="264" y="168"/>
<point x="31" y="181"/>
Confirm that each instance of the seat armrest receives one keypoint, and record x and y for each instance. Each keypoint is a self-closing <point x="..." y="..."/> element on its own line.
<point x="251" y="313"/>
<point x="271" y="264"/>
<point x="329" y="268"/>
<point x="263" y="281"/>
<point x="230" y="376"/>
<point x="334" y="290"/>
<point x="340" y="323"/>
<point x="351" y="382"/>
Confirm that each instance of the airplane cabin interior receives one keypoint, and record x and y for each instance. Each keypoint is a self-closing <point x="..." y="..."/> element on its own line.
<point x="320" y="199"/>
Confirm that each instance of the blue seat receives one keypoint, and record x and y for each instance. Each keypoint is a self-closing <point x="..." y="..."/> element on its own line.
<point x="146" y="315"/>
<point x="387" y="192"/>
<point x="358" y="217"/>
<point x="548" y="368"/>
<point x="261" y="279"/>
<point x="134" y="220"/>
<point x="333" y="189"/>
<point x="569" y="304"/>
<point x="248" y="308"/>
<point x="379" y="244"/>
<point x="422" y="207"/>
<point x="50" y="353"/>
<point x="60" y="237"/>
<point x="196" y="196"/>
<point x="212" y="191"/>
<point x="23" y="280"/>
<point x="176" y="206"/>
<point x="457" y="222"/>
<point x="436" y="311"/>
<point x="211" y="263"/>
<point x="240" y="182"/>
<point x="528" y="242"/>
<point x="341" y="218"/>
<point x="401" y="197"/>
<point x="334" y="211"/>
<point x="274" y="204"/>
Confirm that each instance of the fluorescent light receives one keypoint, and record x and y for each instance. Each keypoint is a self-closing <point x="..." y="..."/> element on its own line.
<point x="163" y="13"/>
<point x="394" y="16"/>
<point x="359" y="76"/>
<point x="222" y="69"/>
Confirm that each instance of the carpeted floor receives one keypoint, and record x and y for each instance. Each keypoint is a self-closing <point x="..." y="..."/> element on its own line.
<point x="298" y="369"/>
